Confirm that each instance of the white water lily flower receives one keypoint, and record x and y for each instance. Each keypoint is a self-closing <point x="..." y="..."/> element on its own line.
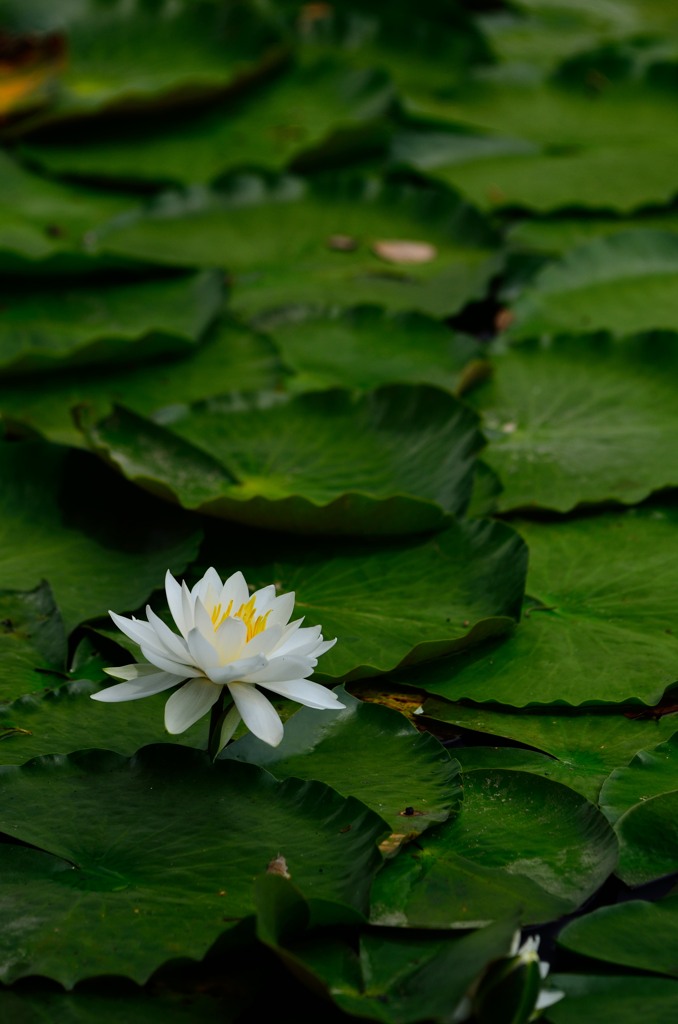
<point x="227" y="639"/>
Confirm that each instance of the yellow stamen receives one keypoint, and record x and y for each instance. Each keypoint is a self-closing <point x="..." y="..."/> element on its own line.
<point x="247" y="613"/>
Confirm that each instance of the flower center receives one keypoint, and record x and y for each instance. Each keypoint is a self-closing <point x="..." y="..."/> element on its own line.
<point x="247" y="613"/>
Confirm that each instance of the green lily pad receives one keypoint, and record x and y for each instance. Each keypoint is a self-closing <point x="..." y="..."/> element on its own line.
<point x="123" y="58"/>
<point x="497" y="172"/>
<point x="268" y="126"/>
<point x="65" y="719"/>
<point x="400" y="603"/>
<point x="521" y="845"/>
<point x="561" y="115"/>
<point x="229" y="356"/>
<point x="623" y="283"/>
<point x="550" y="414"/>
<point x="366" y="347"/>
<point x="392" y="977"/>
<point x="554" y="236"/>
<point x="598" y="626"/>
<point x="587" y="746"/>
<point x="648" y="839"/>
<point x="366" y="751"/>
<point x="473" y="759"/>
<point x="284" y="242"/>
<point x="112" y="896"/>
<point x="598" y="999"/>
<point x="32" y="641"/>
<point x="44" y="226"/>
<point x="54" y="327"/>
<point x="651" y="772"/>
<point x="635" y="934"/>
<point x="55" y="528"/>
<point x="393" y="461"/>
<point x="428" y="55"/>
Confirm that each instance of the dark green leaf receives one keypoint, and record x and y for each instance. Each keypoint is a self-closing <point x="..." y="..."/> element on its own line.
<point x="152" y="843"/>
<point x="392" y="461"/>
<point x="598" y="626"/>
<point x="521" y="845"/>
<point x="97" y="541"/>
<point x="369" y="752"/>
<point x="635" y="934"/>
<point x="54" y="327"/>
<point x="278" y="241"/>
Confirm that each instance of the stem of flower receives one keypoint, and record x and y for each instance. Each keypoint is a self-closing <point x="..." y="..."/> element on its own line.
<point x="216" y="720"/>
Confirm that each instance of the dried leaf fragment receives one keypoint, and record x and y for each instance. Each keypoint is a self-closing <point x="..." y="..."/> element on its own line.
<point x="396" y="250"/>
<point x="278" y="866"/>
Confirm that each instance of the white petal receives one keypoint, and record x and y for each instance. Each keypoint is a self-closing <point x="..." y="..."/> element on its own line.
<point x="174" y="644"/>
<point x="281" y="669"/>
<point x="228" y="727"/>
<point x="548" y="997"/>
<point x="144" y="687"/>
<point x="175" y="602"/>
<point x="208" y="588"/>
<point x="313" y="695"/>
<point x="235" y="590"/>
<point x="229" y="639"/>
<point x="300" y="638"/>
<point x="129" y="672"/>
<point x="264" y="642"/>
<point x="139" y="632"/>
<point x="187" y="604"/>
<point x="188" y="704"/>
<point x="264" y="598"/>
<point x="202" y="651"/>
<point x="258" y="713"/>
<point x="237" y="670"/>
<point x="203" y="620"/>
<point x="168" y="664"/>
<point x="282" y="608"/>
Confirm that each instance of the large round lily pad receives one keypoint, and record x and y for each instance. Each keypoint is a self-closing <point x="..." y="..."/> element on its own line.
<point x="393" y="461"/>
<point x="588" y="746"/>
<point x="521" y="845"/>
<point x="369" y="752"/>
<point x="157" y="855"/>
<point x="552" y="416"/>
<point x="367" y="346"/>
<point x="124" y="57"/>
<point x="399" y="603"/>
<point x="65" y="719"/>
<point x="598" y="626"/>
<point x="622" y="283"/>
<point x="275" y="121"/>
<point x="43" y="330"/>
<point x="55" y="528"/>
<point x="278" y="241"/>
<point x="230" y="356"/>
